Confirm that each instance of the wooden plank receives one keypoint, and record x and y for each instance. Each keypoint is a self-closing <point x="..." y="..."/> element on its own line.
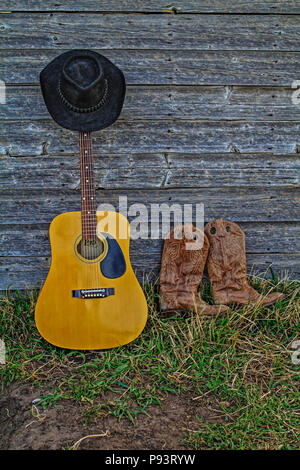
<point x="184" y="102"/>
<point x="23" y="273"/>
<point x="143" y="67"/>
<point x="180" y="6"/>
<point x="177" y="32"/>
<point x="215" y="170"/>
<point x="31" y="272"/>
<point x="153" y="171"/>
<point x="261" y="237"/>
<point x="111" y="172"/>
<point x="237" y="204"/>
<point x="31" y="138"/>
<point x="283" y="265"/>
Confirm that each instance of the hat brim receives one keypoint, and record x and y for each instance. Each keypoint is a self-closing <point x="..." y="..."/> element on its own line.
<point x="106" y="115"/>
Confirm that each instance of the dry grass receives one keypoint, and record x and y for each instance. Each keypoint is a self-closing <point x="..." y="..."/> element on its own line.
<point x="242" y="359"/>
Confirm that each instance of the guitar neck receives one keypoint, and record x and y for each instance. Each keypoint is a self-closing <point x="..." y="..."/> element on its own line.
<point x="88" y="195"/>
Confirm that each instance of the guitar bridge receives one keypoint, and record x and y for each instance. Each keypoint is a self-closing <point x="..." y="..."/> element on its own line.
<point x="93" y="293"/>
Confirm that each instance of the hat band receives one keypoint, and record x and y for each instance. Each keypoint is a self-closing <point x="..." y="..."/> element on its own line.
<point x="84" y="110"/>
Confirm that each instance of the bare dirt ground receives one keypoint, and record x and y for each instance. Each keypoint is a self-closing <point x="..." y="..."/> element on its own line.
<point x="25" y="426"/>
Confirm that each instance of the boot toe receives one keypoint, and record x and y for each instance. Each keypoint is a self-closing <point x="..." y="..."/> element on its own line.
<point x="211" y="310"/>
<point x="271" y="299"/>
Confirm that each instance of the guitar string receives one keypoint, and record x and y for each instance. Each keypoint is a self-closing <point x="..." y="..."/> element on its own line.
<point x="82" y="194"/>
<point x="85" y="228"/>
<point x="87" y="196"/>
<point x="91" y="214"/>
<point x="91" y="204"/>
<point x="83" y="203"/>
<point x="93" y="190"/>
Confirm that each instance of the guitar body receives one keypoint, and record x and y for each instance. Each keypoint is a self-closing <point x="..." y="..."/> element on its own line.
<point x="90" y="303"/>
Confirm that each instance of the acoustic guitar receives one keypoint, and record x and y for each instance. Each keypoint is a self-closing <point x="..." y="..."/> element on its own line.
<point x="91" y="298"/>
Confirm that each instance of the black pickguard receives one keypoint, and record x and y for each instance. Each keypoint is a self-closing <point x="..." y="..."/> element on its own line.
<point x="114" y="264"/>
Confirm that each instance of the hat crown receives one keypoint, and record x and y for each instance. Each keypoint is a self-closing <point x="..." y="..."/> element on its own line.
<point x="82" y="82"/>
<point x="82" y="71"/>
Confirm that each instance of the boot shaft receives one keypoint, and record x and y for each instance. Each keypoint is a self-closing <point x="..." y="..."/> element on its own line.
<point x="226" y="261"/>
<point x="184" y="256"/>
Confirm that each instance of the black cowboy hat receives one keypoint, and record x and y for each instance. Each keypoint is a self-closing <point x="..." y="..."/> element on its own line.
<point x="83" y="90"/>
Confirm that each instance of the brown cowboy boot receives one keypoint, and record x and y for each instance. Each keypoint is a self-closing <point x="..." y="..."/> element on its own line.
<point x="183" y="261"/>
<point x="227" y="266"/>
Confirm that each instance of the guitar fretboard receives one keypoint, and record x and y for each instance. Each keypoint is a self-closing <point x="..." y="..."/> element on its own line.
<point x="88" y="196"/>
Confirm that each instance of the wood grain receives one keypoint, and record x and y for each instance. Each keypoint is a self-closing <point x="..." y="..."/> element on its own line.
<point x="142" y="102"/>
<point x="23" y="66"/>
<point x="31" y="138"/>
<point x="191" y="6"/>
<point x="176" y="32"/>
<point x="262" y="237"/>
<point x="249" y="204"/>
<point x="149" y="170"/>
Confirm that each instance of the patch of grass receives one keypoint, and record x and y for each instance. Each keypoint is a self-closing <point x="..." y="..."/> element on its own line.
<point x="242" y="359"/>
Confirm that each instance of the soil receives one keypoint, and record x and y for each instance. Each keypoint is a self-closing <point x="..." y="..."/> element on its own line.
<point x="25" y="426"/>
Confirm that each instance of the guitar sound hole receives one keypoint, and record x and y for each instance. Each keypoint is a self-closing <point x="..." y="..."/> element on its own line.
<point x="90" y="249"/>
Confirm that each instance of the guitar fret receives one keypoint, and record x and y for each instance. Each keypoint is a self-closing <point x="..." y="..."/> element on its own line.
<point x="88" y="204"/>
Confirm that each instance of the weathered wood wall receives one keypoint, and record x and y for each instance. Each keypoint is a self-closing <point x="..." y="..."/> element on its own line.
<point x="208" y="117"/>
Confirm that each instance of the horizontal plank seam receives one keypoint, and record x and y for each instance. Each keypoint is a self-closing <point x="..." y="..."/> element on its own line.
<point x="171" y="85"/>
<point x="71" y="192"/>
<point x="158" y="153"/>
<point x="164" y="51"/>
<point x="106" y="154"/>
<point x="281" y="51"/>
<point x="154" y="188"/>
<point x="167" y="119"/>
<point x="248" y="252"/>
<point x="174" y="120"/>
<point x="247" y="221"/>
<point x="147" y="13"/>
